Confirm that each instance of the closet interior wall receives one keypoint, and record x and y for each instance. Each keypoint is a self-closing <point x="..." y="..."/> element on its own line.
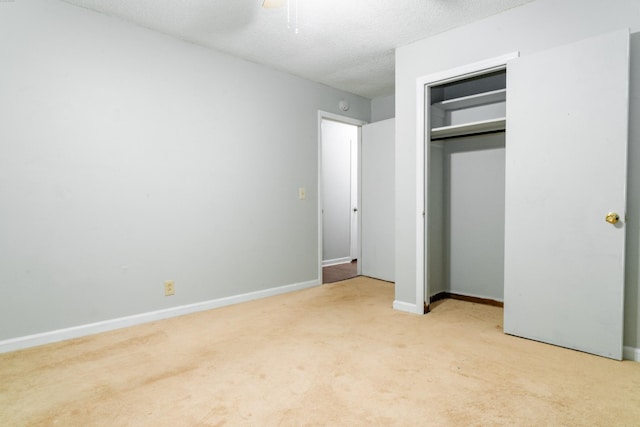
<point x="465" y="192"/>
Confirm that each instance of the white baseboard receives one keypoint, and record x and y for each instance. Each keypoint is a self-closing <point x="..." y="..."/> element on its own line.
<point x="631" y="353"/>
<point x="137" y="319"/>
<point x="345" y="260"/>
<point x="407" y="307"/>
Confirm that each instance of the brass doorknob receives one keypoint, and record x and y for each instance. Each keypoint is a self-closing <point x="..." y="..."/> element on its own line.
<point x="612" y="218"/>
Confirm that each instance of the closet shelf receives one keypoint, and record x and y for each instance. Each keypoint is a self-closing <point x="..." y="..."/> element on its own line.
<point x="469" y="128"/>
<point x="484" y="98"/>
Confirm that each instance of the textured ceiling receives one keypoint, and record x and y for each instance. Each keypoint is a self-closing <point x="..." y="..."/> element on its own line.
<point x="345" y="44"/>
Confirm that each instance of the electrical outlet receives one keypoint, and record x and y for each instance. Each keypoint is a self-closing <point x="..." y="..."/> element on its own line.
<point x="302" y="193"/>
<point x="169" y="288"/>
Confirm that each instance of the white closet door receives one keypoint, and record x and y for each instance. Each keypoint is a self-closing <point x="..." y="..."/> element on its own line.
<point x="566" y="158"/>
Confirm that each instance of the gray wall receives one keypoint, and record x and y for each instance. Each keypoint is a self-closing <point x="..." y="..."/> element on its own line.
<point x="437" y="212"/>
<point x="533" y="27"/>
<point x="474" y="170"/>
<point x="336" y="190"/>
<point x="378" y="145"/>
<point x="383" y="108"/>
<point x="128" y="158"/>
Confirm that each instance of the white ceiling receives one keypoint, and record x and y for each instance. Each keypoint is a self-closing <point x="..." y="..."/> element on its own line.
<point x="345" y="44"/>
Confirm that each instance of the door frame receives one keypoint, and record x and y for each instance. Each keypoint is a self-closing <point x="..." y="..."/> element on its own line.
<point x="324" y="115"/>
<point x="423" y="148"/>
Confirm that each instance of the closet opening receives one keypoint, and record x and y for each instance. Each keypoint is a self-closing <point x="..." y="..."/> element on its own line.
<point x="465" y="188"/>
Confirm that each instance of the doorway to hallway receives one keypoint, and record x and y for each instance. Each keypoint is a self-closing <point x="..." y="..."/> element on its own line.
<point x="339" y="195"/>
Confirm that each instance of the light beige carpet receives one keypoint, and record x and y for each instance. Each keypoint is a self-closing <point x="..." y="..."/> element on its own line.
<point x="333" y="355"/>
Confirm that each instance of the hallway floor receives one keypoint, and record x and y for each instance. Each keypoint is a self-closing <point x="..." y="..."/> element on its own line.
<point x="336" y="273"/>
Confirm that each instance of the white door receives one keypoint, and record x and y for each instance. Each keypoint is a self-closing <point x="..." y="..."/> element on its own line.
<point x="378" y="197"/>
<point x="566" y="157"/>
<point x="355" y="229"/>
